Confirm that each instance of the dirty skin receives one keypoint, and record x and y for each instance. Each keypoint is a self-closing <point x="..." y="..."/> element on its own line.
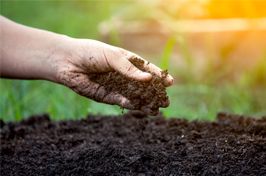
<point x="114" y="88"/>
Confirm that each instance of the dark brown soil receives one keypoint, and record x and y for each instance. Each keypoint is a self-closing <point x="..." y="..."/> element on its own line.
<point x="134" y="145"/>
<point x="145" y="96"/>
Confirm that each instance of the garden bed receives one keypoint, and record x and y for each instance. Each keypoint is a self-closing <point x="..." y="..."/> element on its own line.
<point x="134" y="145"/>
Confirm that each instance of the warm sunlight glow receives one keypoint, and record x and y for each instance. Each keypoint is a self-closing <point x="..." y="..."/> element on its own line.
<point x="214" y="8"/>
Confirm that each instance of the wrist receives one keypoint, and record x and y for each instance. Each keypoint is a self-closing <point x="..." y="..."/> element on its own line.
<point x="56" y="57"/>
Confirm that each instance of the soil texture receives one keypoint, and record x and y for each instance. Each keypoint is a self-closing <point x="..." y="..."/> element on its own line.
<point x="145" y="96"/>
<point x="134" y="145"/>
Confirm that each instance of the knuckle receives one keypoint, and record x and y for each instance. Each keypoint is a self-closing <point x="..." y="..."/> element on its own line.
<point x="131" y="68"/>
<point x="109" y="99"/>
<point x="132" y="71"/>
<point x="99" y="93"/>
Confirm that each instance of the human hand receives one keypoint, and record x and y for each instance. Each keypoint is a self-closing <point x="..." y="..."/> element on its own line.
<point x="83" y="57"/>
<point x="29" y="53"/>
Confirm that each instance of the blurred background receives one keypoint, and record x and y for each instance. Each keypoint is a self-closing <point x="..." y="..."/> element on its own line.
<point x="215" y="49"/>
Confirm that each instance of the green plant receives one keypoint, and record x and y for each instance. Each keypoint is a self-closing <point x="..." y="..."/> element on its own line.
<point x="167" y="52"/>
<point x="256" y="76"/>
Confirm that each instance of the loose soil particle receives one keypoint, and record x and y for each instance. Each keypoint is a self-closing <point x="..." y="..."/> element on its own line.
<point x="145" y="96"/>
<point x="134" y="145"/>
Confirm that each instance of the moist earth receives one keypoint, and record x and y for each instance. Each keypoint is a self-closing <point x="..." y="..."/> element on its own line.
<point x="145" y="96"/>
<point x="133" y="144"/>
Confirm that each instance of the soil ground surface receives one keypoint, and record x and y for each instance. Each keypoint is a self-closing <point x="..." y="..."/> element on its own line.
<point x="134" y="145"/>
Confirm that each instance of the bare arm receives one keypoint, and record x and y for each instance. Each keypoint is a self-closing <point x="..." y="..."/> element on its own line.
<point x="26" y="53"/>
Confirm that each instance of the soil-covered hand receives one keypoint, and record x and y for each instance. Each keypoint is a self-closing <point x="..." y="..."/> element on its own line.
<point x="84" y="57"/>
<point x="29" y="53"/>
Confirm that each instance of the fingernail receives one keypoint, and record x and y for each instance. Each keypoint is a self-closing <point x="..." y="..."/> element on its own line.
<point x="169" y="81"/>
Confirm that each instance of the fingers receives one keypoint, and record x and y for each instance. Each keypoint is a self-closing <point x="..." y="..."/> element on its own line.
<point x="82" y="85"/>
<point x="110" y="97"/>
<point x="125" y="67"/>
<point x="168" y="81"/>
<point x="118" y="99"/>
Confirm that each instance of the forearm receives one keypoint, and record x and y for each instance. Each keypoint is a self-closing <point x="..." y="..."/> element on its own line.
<point x="28" y="53"/>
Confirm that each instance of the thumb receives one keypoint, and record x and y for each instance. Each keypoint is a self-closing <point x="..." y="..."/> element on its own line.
<point x="126" y="68"/>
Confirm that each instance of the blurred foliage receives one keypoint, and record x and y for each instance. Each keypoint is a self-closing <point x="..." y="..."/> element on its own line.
<point x="256" y="76"/>
<point x="73" y="18"/>
<point x="197" y="98"/>
<point x="167" y="52"/>
<point x="201" y="101"/>
<point x="23" y="98"/>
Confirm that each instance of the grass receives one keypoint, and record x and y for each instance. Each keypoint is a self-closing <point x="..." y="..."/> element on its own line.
<point x="191" y="100"/>
<point x="24" y="98"/>
<point x="195" y="101"/>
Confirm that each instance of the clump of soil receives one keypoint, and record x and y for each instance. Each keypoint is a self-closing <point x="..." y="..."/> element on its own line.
<point x="134" y="145"/>
<point x="145" y="96"/>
